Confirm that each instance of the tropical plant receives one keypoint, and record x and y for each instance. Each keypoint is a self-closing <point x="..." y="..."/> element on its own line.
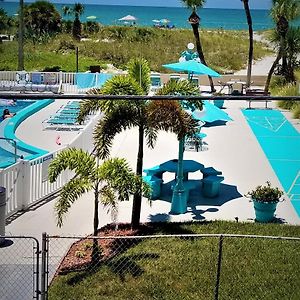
<point x="250" y="30"/>
<point x="282" y="12"/>
<point x="6" y="22"/>
<point x="194" y="20"/>
<point x="112" y="181"/>
<point x="41" y="19"/>
<point x="266" y="193"/>
<point x="148" y="116"/>
<point x="77" y="10"/>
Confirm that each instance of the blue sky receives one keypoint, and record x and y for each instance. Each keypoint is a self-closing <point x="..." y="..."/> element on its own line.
<point x="254" y="4"/>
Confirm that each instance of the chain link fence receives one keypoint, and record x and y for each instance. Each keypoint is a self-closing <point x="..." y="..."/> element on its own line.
<point x="19" y="268"/>
<point x="209" y="266"/>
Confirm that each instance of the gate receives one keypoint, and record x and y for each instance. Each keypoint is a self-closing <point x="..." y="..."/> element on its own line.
<point x="19" y="268"/>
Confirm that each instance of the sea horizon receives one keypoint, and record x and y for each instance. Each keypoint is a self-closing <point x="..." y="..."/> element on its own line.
<point x="211" y="18"/>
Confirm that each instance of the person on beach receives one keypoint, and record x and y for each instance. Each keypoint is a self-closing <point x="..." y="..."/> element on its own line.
<point x="7" y="114"/>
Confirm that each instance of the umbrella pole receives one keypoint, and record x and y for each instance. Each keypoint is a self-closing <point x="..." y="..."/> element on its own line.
<point x="179" y="198"/>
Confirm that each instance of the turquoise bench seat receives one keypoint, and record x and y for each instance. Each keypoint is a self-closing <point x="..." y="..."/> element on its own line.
<point x="211" y="186"/>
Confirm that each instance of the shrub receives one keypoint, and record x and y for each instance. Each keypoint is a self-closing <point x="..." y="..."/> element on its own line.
<point x="266" y="193"/>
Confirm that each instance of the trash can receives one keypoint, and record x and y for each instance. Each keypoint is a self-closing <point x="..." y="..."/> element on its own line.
<point x="2" y="212"/>
<point x="95" y="69"/>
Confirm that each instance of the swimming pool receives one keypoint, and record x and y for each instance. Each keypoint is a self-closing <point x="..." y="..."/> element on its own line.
<point x="24" y="109"/>
<point x="280" y="142"/>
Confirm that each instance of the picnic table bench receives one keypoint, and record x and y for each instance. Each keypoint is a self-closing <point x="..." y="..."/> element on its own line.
<point x="257" y="92"/>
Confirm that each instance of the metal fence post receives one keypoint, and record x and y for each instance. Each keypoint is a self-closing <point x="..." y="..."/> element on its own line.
<point x="44" y="288"/>
<point x="219" y="267"/>
<point x="37" y="270"/>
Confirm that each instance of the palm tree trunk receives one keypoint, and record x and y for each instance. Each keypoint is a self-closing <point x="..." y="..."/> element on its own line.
<point x="21" y="37"/>
<point x="250" y="29"/>
<point x="96" y="250"/>
<point x="137" y="197"/>
<point x="200" y="52"/>
<point x="272" y="71"/>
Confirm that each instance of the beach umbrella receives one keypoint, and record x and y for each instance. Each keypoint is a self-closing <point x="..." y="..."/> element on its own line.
<point x="91" y="17"/>
<point x="210" y="113"/>
<point x="128" y="18"/>
<point x="164" y="21"/>
<point x="192" y="67"/>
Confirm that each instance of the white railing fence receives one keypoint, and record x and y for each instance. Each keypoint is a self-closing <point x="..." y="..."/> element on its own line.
<point x="9" y="80"/>
<point x="27" y="183"/>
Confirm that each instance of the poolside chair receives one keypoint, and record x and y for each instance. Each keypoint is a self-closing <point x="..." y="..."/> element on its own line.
<point x="73" y="105"/>
<point x="175" y="77"/>
<point x="195" y="80"/>
<point x="52" y="82"/>
<point x="237" y="88"/>
<point x="155" y="81"/>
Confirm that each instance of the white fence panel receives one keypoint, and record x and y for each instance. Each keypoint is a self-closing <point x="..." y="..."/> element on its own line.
<point x="11" y="178"/>
<point x="26" y="182"/>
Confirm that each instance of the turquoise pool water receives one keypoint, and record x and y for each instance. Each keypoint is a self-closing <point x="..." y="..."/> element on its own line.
<point x="8" y="128"/>
<point x="280" y="142"/>
<point x="6" y="157"/>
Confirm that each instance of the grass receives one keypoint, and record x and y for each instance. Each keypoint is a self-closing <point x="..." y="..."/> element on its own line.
<point x="224" y="50"/>
<point x="177" y="268"/>
<point x="279" y="88"/>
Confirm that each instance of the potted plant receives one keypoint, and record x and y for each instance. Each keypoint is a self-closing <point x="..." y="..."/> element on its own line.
<point x="265" y="199"/>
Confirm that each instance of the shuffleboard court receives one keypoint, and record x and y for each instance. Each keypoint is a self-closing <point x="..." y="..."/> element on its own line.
<point x="280" y="142"/>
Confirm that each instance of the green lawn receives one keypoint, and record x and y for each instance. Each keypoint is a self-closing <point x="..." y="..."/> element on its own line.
<point x="185" y="268"/>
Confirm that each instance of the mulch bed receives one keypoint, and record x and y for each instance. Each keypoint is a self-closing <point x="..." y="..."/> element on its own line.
<point x="79" y="255"/>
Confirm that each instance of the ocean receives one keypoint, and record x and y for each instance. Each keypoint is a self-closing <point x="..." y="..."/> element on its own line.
<point x="211" y="18"/>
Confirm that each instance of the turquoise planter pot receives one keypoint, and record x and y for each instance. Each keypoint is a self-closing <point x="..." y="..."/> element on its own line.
<point x="264" y="212"/>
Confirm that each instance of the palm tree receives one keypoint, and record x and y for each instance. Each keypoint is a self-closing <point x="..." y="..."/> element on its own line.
<point x="194" y="20"/>
<point x="125" y="114"/>
<point x="112" y="181"/>
<point x="250" y="30"/>
<point x="282" y="12"/>
<point x="21" y="37"/>
<point x="77" y="10"/>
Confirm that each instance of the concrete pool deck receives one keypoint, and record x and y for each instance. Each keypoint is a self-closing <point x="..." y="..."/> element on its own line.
<point x="232" y="148"/>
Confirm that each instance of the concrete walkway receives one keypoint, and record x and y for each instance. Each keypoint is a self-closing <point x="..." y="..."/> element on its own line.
<point x="233" y="149"/>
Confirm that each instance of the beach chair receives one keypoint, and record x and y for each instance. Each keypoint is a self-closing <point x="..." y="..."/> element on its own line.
<point x="73" y="105"/>
<point x="155" y="81"/>
<point x="195" y="80"/>
<point x="175" y="77"/>
<point x="237" y="88"/>
<point x="62" y="123"/>
<point x="52" y="83"/>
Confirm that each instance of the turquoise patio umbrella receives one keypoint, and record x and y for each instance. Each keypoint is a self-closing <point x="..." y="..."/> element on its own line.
<point x="210" y="113"/>
<point x="192" y="67"/>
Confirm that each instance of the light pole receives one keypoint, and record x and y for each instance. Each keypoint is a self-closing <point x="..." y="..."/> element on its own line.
<point x="180" y="195"/>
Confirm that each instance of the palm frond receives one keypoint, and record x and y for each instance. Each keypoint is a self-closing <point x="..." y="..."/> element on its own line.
<point x="121" y="118"/>
<point x="122" y="85"/>
<point x="168" y="115"/>
<point x="87" y="107"/>
<point x="139" y="69"/>
<point x="193" y="3"/>
<point x="181" y="87"/>
<point x="73" y="159"/>
<point x="70" y="192"/>
<point x="151" y="136"/>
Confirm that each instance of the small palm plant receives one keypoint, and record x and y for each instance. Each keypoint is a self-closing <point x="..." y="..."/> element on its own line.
<point x="111" y="181"/>
<point x="148" y="116"/>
